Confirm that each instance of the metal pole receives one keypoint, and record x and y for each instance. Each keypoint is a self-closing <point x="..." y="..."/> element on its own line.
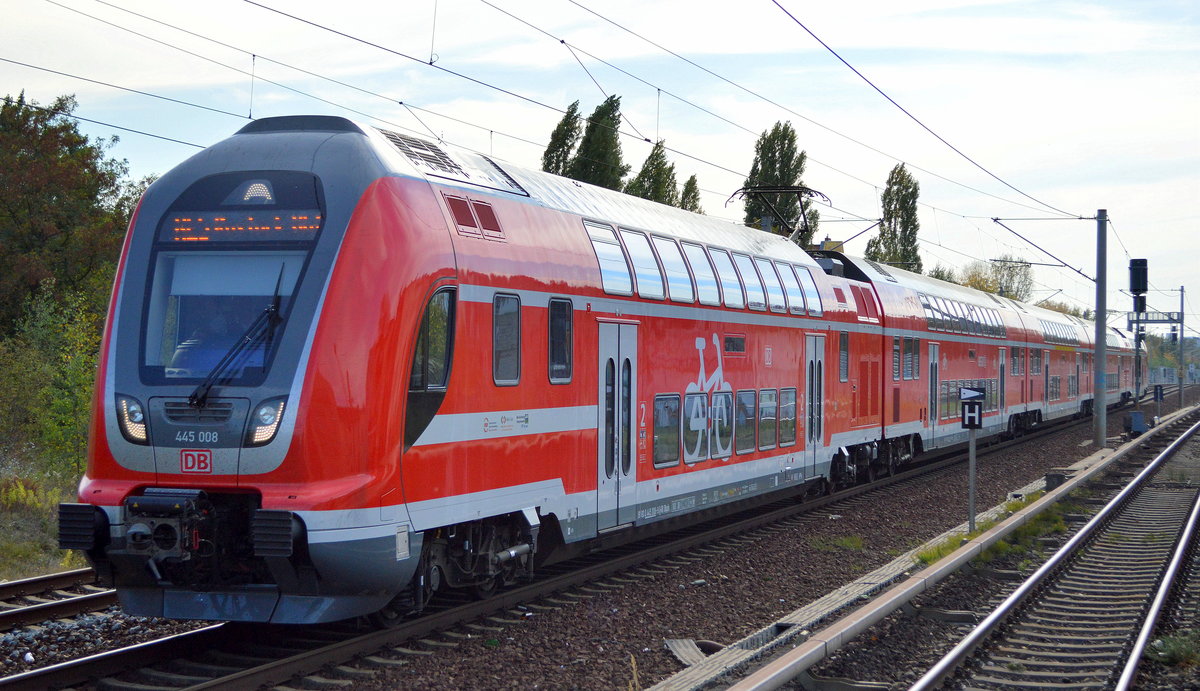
<point x="1182" y="372"/>
<point x="971" y="482"/>
<point x="1100" y="361"/>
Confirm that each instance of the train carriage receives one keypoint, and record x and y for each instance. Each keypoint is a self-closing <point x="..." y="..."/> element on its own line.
<point x="344" y="368"/>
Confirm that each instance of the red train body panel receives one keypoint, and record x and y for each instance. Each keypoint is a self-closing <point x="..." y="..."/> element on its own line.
<point x="344" y="368"/>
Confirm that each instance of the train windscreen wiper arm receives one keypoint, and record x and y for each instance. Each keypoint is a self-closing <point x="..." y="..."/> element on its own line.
<point x="263" y="325"/>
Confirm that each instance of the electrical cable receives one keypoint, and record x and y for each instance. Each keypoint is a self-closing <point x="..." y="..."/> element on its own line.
<point x="794" y="112"/>
<point x="116" y="127"/>
<point x="917" y="120"/>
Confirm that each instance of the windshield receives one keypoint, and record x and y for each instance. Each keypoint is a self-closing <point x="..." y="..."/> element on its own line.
<point x="201" y="303"/>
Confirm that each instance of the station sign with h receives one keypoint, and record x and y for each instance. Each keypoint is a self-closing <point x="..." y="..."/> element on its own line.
<point x="972" y="406"/>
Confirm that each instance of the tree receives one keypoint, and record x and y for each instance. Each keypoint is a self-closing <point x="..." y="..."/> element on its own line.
<point x="1013" y="276"/>
<point x="896" y="242"/>
<point x="656" y="180"/>
<point x="778" y="163"/>
<point x="943" y="273"/>
<point x="978" y="275"/>
<point x="64" y="208"/>
<point x="563" y="139"/>
<point x="1064" y="308"/>
<point x="689" y="199"/>
<point x="598" y="160"/>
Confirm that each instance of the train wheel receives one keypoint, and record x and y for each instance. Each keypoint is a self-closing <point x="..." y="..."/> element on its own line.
<point x="487" y="587"/>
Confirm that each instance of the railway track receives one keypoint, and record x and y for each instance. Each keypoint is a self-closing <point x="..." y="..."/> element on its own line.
<point x="1074" y="623"/>
<point x="231" y="654"/>
<point x="65" y="594"/>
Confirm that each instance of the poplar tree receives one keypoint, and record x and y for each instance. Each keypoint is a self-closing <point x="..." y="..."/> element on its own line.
<point x="689" y="199"/>
<point x="656" y="180"/>
<point x="779" y="162"/>
<point x="563" y="139"/>
<point x="896" y="242"/>
<point x="598" y="160"/>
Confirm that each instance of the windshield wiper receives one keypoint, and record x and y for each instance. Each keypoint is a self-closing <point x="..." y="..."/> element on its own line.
<point x="263" y="327"/>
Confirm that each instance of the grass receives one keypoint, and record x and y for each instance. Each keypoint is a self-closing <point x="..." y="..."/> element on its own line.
<point x="1180" y="650"/>
<point x="1021" y="540"/>
<point x="29" y="530"/>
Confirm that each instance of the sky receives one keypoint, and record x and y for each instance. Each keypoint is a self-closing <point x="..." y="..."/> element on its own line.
<point x="1056" y="109"/>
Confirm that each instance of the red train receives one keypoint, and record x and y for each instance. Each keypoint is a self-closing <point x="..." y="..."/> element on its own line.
<point x="344" y="368"/>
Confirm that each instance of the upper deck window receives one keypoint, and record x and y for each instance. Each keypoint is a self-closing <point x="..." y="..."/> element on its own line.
<point x="679" y="281"/>
<point x="706" y="278"/>
<point x="811" y="295"/>
<point x="775" y="297"/>
<point x="614" y="271"/>
<point x="645" y="266"/>
<point x="731" y="285"/>
<point x="756" y="299"/>
<point x="792" y="287"/>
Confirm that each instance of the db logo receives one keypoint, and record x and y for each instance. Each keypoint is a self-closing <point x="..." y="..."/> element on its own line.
<point x="195" y="461"/>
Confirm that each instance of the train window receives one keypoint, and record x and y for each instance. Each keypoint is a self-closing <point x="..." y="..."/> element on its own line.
<point x="735" y="345"/>
<point x="939" y="306"/>
<point x="666" y="430"/>
<point x="916" y="358"/>
<point x="791" y="286"/>
<point x="614" y="271"/>
<point x="488" y="220"/>
<point x="756" y="299"/>
<point x="702" y="271"/>
<point x="202" y="303"/>
<point x="679" y="281"/>
<point x="720" y="417"/>
<point x="678" y="278"/>
<point x="775" y="298"/>
<point x="787" y="417"/>
<point x="744" y="422"/>
<point x="430" y="365"/>
<point x="506" y="340"/>
<point x="858" y="301"/>
<point x="910" y="358"/>
<point x="731" y="285"/>
<point x="964" y="323"/>
<point x="844" y="356"/>
<point x="811" y="295"/>
<point x="895" y="358"/>
<point x="645" y="266"/>
<point x="463" y="217"/>
<point x="431" y="357"/>
<point x="695" y="427"/>
<point x="930" y="321"/>
<point x="768" y="421"/>
<point x="561" y="340"/>
<point x="865" y="298"/>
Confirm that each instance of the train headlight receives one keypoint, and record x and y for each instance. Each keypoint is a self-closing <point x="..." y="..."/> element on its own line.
<point x="131" y="418"/>
<point x="264" y="423"/>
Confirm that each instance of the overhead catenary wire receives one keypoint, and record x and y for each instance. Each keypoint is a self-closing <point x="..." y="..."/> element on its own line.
<point x="792" y="111"/>
<point x="916" y="119"/>
<point x="410" y="106"/>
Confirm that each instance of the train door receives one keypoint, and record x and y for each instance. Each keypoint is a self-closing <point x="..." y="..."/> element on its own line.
<point x="814" y="402"/>
<point x="616" y="485"/>
<point x="1003" y="359"/>
<point x="1046" y="380"/>
<point x="934" y="388"/>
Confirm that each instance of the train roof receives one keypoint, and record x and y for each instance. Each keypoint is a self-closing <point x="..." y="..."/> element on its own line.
<point x="1031" y="315"/>
<point x="451" y="165"/>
